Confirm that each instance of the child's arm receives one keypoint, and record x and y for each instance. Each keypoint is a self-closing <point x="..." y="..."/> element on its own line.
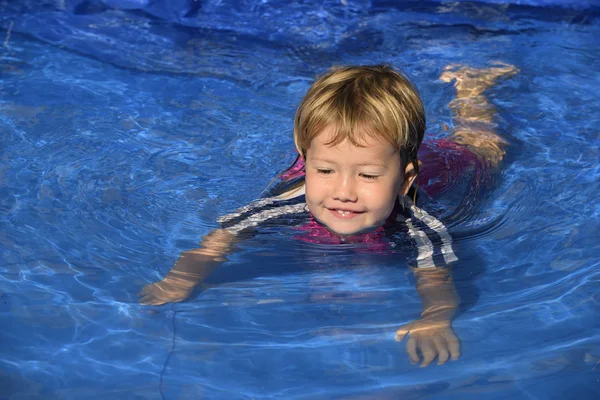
<point x="194" y="266"/>
<point x="432" y="334"/>
<point x="190" y="269"/>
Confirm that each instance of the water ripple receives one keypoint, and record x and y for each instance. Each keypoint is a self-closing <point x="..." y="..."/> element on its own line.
<point x="124" y="139"/>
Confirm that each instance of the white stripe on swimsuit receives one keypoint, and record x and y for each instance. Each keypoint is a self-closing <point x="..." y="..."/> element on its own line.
<point x="425" y="247"/>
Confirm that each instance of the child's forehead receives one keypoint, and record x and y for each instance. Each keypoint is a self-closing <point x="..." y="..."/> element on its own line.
<point x="330" y="137"/>
<point x="372" y="152"/>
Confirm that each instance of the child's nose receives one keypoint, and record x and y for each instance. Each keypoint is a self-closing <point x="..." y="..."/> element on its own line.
<point x="345" y="189"/>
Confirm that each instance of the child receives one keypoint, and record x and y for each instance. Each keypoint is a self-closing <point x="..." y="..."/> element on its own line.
<point x="358" y="132"/>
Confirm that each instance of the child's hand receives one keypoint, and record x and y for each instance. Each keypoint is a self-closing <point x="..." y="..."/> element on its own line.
<point x="169" y="290"/>
<point x="431" y="338"/>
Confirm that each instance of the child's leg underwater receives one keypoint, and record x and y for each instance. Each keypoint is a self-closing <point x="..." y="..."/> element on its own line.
<point x="474" y="114"/>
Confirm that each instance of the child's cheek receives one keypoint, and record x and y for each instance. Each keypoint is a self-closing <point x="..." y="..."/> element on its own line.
<point x="373" y="193"/>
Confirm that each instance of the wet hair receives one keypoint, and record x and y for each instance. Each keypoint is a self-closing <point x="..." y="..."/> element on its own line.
<point x="375" y="101"/>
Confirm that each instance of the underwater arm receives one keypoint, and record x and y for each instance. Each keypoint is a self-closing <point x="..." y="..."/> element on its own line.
<point x="194" y="266"/>
<point x="191" y="268"/>
<point x="432" y="334"/>
<point x="436" y="290"/>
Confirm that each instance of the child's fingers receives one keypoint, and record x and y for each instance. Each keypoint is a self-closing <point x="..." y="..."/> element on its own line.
<point x="144" y="290"/>
<point x="145" y="301"/>
<point x="150" y="300"/>
<point x="428" y="351"/>
<point x="411" y="349"/>
<point x="411" y="343"/>
<point x="146" y="294"/>
<point x="442" y="350"/>
<point x="453" y="345"/>
<point x="148" y="297"/>
<point x="402" y="332"/>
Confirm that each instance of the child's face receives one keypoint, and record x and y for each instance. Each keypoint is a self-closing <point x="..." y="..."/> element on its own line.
<point x="353" y="189"/>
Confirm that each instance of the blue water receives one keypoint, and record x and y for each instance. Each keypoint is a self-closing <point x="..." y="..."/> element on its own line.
<point x="125" y="133"/>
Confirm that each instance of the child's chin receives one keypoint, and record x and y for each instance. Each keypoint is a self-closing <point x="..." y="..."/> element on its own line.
<point x="350" y="231"/>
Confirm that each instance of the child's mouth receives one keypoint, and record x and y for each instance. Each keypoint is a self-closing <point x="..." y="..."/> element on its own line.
<point x="344" y="214"/>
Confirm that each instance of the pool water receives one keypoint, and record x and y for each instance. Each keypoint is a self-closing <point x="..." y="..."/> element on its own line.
<point x="125" y="132"/>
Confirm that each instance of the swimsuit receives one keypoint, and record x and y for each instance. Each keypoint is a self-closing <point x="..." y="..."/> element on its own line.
<point x="444" y="161"/>
<point x="408" y="226"/>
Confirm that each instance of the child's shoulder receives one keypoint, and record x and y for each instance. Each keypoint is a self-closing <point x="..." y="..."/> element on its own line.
<point x="288" y="189"/>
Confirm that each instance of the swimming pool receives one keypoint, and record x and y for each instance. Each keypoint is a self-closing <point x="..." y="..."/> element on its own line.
<point x="126" y="132"/>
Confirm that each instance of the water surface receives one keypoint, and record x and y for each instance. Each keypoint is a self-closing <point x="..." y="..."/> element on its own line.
<point x="125" y="134"/>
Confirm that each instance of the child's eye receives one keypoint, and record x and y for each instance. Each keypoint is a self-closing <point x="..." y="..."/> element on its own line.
<point x="369" y="177"/>
<point x="324" y="171"/>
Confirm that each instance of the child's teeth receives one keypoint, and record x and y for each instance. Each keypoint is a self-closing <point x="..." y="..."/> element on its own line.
<point x="343" y="212"/>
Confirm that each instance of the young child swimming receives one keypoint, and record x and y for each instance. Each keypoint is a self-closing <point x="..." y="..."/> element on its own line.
<point x="358" y="132"/>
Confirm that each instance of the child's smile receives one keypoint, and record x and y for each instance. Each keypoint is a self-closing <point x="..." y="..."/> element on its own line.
<point x="352" y="189"/>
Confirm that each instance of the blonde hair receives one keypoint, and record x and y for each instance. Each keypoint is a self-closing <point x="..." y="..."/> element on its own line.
<point x="375" y="101"/>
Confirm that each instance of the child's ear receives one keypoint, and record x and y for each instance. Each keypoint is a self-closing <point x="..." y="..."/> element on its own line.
<point x="410" y="174"/>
